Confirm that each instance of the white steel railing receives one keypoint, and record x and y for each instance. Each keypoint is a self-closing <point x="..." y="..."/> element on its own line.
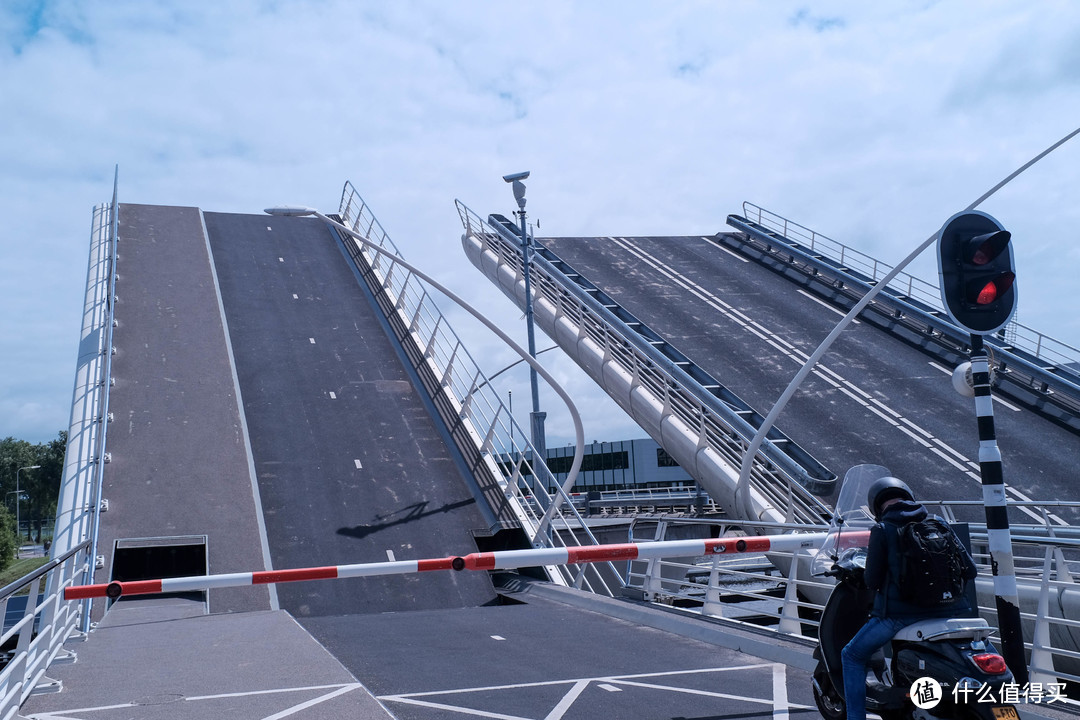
<point x="774" y="592"/>
<point x="476" y="418"/>
<point x="48" y="621"/>
<point x="704" y="426"/>
<point x="44" y="625"/>
<point x="1053" y="352"/>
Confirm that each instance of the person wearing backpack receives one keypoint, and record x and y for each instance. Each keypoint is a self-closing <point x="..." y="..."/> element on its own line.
<point x="917" y="569"/>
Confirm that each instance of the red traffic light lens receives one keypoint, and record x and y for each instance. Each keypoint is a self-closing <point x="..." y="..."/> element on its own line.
<point x="990" y="292"/>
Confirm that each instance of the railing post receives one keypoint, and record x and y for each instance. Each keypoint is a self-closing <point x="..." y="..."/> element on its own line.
<point x="654" y="570"/>
<point x="1042" y="656"/>
<point x="713" y="607"/>
<point x="789" y="617"/>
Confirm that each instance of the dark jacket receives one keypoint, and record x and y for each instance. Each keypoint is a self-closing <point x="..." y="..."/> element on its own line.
<point x="883" y="567"/>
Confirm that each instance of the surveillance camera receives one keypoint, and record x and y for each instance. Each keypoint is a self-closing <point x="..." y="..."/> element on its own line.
<point x="516" y="176"/>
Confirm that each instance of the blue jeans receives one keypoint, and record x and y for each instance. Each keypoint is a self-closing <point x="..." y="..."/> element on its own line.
<point x="856" y="654"/>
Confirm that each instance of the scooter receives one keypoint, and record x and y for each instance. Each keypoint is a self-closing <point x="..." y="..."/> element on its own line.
<point x="940" y="668"/>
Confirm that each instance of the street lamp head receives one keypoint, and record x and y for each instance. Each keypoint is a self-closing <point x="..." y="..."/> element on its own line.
<point x="30" y="467"/>
<point x="290" y="211"/>
<point x="519" y="187"/>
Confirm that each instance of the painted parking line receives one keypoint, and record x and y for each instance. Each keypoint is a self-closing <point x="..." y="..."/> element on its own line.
<point x="334" y="691"/>
<point x="778" y="703"/>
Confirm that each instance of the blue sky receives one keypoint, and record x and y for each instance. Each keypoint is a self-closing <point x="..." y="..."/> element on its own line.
<point x="869" y="122"/>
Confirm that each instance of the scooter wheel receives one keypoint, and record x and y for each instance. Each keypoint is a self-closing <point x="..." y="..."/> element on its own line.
<point x="829" y="702"/>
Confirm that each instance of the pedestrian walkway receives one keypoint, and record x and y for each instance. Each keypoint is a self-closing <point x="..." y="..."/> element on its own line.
<point x="161" y="657"/>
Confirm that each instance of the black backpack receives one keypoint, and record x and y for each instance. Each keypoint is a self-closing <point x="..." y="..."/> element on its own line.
<point x="931" y="563"/>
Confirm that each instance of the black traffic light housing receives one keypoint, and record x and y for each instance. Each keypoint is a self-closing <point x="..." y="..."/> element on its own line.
<point x="975" y="263"/>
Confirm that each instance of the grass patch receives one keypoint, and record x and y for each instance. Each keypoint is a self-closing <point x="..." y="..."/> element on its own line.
<point x="19" y="568"/>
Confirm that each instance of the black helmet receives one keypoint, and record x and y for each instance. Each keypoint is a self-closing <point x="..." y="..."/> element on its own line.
<point x="883" y="489"/>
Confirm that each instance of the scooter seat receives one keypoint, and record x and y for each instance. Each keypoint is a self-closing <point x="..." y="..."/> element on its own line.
<point x="945" y="629"/>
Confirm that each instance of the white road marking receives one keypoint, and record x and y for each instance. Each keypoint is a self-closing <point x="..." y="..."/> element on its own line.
<point x="281" y="259"/>
<point x="567" y="700"/>
<point x="732" y="253"/>
<point x="825" y="305"/>
<point x="309" y="703"/>
<point x="497" y="637"/>
<point x="611" y="683"/>
<point x="311" y="340"/>
<point x="295" y="296"/>
<point x="359" y="465"/>
<point x="779" y="692"/>
<point x="333" y="395"/>
<point x="390" y="555"/>
<point x="335" y="690"/>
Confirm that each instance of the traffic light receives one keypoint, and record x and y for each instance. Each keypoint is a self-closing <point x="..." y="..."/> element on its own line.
<point x="978" y="280"/>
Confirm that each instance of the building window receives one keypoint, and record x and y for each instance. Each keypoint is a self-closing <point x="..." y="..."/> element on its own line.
<point x="664" y="460"/>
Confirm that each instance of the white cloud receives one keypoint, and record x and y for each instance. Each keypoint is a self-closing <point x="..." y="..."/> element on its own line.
<point x="871" y="123"/>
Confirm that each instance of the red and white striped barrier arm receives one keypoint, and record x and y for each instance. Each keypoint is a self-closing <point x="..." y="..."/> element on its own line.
<point x="502" y="560"/>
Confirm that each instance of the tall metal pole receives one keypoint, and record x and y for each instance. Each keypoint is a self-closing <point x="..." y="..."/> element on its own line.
<point x="18" y="504"/>
<point x="1006" y="597"/>
<point x="536" y="418"/>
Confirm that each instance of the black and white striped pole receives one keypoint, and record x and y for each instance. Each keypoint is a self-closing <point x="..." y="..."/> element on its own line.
<point x="1006" y="597"/>
<point x="978" y="290"/>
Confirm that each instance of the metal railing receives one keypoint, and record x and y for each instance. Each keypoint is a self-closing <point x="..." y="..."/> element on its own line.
<point x="706" y="423"/>
<point x="474" y="414"/>
<point x="775" y="592"/>
<point x="647" y="501"/>
<point x="1053" y="352"/>
<point x="45" y="625"/>
<point x="48" y="621"/>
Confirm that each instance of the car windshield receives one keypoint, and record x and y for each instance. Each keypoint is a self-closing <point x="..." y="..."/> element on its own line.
<point x="852" y="520"/>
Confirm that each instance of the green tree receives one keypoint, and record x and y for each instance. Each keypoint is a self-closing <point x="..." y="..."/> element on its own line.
<point x="9" y="541"/>
<point x="39" y="488"/>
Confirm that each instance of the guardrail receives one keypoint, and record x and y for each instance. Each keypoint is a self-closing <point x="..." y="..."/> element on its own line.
<point x="478" y="422"/>
<point x="48" y="621"/>
<point x="757" y="589"/>
<point x="37" y="638"/>
<point x="707" y="425"/>
<point x="1049" y="359"/>
<point x="647" y="501"/>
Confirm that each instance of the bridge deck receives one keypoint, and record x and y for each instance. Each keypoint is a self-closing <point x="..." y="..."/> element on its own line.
<point x="873" y="398"/>
<point x="179" y="455"/>
<point x="350" y="465"/>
